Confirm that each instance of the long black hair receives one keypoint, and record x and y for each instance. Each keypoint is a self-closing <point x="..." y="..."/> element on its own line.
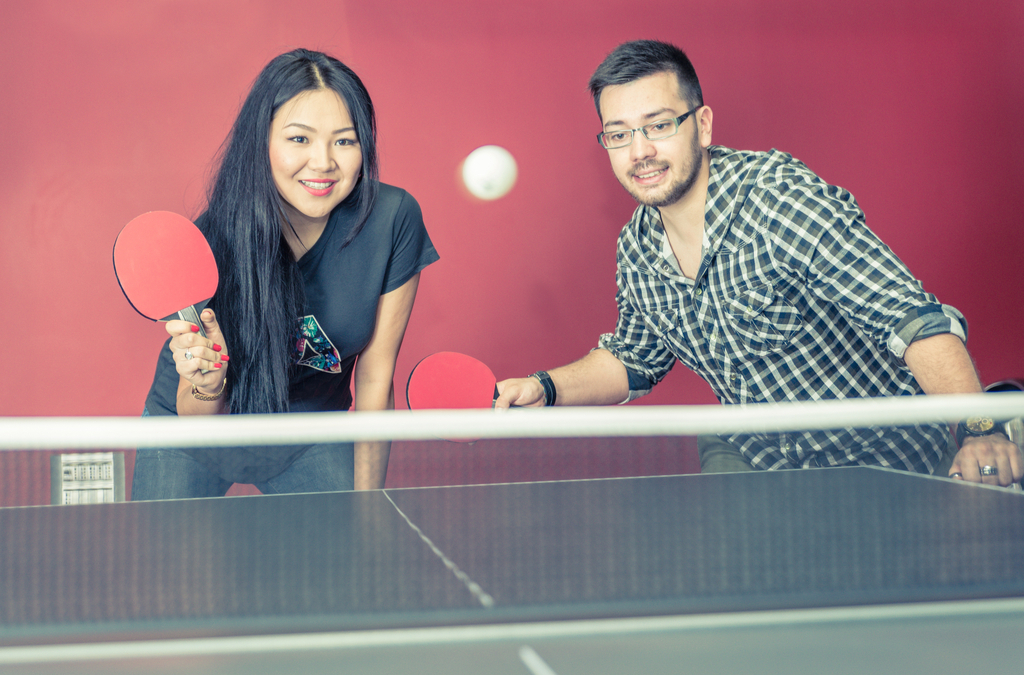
<point x="260" y="297"/>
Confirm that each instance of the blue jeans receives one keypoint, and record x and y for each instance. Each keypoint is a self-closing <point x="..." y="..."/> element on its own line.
<point x="169" y="473"/>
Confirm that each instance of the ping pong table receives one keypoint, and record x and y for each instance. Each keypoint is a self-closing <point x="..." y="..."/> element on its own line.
<point x="823" y="570"/>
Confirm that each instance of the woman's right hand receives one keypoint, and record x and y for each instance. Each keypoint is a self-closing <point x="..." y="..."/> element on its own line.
<point x="192" y="353"/>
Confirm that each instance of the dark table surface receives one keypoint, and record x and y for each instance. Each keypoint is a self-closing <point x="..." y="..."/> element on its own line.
<point x="510" y="554"/>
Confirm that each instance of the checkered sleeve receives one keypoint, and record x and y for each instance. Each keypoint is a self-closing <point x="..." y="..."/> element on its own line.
<point x="646" y="357"/>
<point x="824" y="239"/>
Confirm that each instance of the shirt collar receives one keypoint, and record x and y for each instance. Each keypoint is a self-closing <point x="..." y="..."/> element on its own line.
<point x="719" y="204"/>
<point x="721" y="176"/>
<point x="722" y="185"/>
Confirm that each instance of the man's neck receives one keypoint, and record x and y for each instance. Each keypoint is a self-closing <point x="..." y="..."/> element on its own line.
<point x="684" y="220"/>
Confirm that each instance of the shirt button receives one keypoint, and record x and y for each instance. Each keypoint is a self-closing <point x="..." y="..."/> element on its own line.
<point x="700" y="291"/>
<point x="785" y="447"/>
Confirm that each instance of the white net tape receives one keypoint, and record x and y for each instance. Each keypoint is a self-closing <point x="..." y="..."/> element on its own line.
<point x="35" y="433"/>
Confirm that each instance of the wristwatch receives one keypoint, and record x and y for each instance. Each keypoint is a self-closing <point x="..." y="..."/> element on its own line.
<point x="977" y="426"/>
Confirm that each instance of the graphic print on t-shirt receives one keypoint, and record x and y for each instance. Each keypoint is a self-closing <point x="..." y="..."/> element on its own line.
<point x="313" y="348"/>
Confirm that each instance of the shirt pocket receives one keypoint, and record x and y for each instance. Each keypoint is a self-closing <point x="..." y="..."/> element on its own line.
<point x="761" y="322"/>
<point x="666" y="327"/>
<point x="664" y="324"/>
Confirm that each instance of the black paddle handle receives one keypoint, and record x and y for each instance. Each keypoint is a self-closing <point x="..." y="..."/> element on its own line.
<point x="496" y="395"/>
<point x="192" y="315"/>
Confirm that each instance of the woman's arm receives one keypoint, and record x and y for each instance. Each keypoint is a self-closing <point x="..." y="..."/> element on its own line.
<point x="374" y="379"/>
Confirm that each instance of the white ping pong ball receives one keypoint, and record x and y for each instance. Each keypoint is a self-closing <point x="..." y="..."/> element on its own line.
<point x="489" y="172"/>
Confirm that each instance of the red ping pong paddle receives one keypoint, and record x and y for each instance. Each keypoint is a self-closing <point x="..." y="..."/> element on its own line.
<point x="165" y="267"/>
<point x="448" y="380"/>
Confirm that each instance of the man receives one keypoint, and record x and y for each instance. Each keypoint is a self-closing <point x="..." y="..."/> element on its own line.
<point x="765" y="280"/>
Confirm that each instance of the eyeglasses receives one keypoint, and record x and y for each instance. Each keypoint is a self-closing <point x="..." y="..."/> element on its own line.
<point x="655" y="131"/>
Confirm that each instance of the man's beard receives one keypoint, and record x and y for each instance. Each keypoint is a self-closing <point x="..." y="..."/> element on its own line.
<point x="677" y="191"/>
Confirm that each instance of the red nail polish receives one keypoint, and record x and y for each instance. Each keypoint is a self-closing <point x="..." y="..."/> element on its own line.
<point x="216" y="348"/>
<point x="225" y="357"/>
<point x="216" y="365"/>
<point x="195" y="328"/>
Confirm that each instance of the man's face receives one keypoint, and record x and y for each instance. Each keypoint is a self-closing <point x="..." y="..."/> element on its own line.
<point x="657" y="173"/>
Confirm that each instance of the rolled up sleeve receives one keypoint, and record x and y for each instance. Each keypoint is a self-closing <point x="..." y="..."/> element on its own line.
<point x="645" y="356"/>
<point x="925" y="322"/>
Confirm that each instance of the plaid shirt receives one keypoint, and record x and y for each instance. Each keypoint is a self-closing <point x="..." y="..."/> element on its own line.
<point x="795" y="299"/>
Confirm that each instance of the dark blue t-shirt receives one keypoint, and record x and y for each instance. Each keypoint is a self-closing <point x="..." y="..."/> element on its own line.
<point x="343" y="287"/>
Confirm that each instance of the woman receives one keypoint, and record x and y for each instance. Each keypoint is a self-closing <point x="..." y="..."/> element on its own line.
<point x="319" y="264"/>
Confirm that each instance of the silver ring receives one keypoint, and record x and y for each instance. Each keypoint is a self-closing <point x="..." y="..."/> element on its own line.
<point x="956" y="474"/>
<point x="989" y="470"/>
<point x="188" y="355"/>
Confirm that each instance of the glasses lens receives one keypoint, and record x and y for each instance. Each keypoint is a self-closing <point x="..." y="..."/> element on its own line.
<point x="660" y="129"/>
<point x="616" y="139"/>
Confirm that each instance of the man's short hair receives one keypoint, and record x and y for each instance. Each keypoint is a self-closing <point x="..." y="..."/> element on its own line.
<point x="632" y="60"/>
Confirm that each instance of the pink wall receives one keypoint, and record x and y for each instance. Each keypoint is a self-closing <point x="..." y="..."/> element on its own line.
<point x="115" y="108"/>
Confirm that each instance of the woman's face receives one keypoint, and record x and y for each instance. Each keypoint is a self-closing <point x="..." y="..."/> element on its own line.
<point x="314" y="155"/>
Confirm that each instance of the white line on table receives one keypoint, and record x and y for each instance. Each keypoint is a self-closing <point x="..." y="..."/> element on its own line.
<point x="534" y="663"/>
<point x="474" y="588"/>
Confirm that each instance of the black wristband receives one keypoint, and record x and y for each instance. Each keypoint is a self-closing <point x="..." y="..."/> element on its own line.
<point x="549" y="387"/>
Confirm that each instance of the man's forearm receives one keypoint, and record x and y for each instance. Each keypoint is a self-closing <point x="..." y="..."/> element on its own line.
<point x="597" y="379"/>
<point x="941" y="365"/>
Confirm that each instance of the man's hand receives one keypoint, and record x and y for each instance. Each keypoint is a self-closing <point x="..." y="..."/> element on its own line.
<point x="994" y="450"/>
<point x="525" y="392"/>
<point x="597" y="379"/>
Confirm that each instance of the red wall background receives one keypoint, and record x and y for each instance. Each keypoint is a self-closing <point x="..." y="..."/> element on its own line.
<point x="111" y="109"/>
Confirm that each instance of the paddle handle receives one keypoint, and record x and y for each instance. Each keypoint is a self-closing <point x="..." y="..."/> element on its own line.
<point x="191" y="315"/>
<point x="496" y="395"/>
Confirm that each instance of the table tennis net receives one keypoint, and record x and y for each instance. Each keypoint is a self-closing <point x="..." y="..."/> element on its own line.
<point x="91" y="460"/>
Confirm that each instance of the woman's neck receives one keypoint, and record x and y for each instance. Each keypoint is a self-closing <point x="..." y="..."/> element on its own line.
<point x="301" y="232"/>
